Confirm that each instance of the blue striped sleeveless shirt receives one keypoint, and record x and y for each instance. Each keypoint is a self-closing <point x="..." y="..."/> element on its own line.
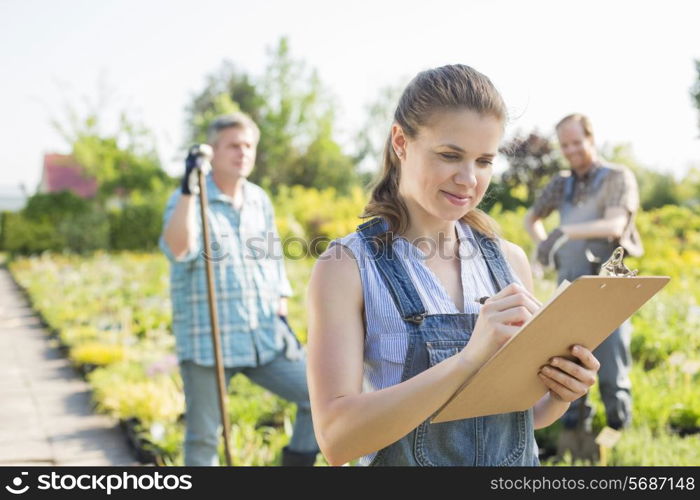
<point x="386" y="336"/>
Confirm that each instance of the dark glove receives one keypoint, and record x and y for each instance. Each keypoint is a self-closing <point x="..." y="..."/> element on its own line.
<point x="547" y="249"/>
<point x="197" y="157"/>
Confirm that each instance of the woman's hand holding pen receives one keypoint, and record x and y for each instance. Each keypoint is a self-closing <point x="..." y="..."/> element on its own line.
<point x="500" y="318"/>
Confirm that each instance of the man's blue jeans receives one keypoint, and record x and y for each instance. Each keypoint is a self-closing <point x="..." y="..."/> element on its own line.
<point x="282" y="376"/>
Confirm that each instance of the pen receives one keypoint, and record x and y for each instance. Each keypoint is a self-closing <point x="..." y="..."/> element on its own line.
<point x="481" y="300"/>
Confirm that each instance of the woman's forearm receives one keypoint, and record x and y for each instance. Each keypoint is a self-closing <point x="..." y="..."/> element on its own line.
<point x="360" y="424"/>
<point x="547" y="410"/>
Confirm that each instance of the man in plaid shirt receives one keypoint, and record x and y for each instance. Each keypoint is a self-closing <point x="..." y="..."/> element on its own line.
<point x="597" y="204"/>
<point x="251" y="291"/>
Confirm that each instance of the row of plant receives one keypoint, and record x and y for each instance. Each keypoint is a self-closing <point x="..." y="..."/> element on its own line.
<point x="64" y="221"/>
<point x="111" y="312"/>
<point x="111" y="315"/>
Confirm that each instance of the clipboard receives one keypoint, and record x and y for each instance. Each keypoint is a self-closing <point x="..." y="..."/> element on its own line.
<point x="583" y="312"/>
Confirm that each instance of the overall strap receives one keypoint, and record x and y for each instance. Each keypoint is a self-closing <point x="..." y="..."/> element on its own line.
<point x="599" y="176"/>
<point x="595" y="184"/>
<point x="569" y="189"/>
<point x="495" y="261"/>
<point x="392" y="271"/>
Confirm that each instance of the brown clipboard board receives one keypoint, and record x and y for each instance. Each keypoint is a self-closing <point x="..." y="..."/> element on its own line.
<point x="586" y="312"/>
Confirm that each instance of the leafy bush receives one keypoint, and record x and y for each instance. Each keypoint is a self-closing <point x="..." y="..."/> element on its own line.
<point x="123" y="391"/>
<point x="24" y="236"/>
<point x="65" y="222"/>
<point x="137" y="225"/>
<point x="3" y="218"/>
<point x="78" y="335"/>
<point x="315" y="216"/>
<point x="641" y="446"/>
<point x="97" y="354"/>
<point x="85" y="232"/>
<point x="56" y="222"/>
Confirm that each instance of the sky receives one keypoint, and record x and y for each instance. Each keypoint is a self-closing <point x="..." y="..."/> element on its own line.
<point x="628" y="65"/>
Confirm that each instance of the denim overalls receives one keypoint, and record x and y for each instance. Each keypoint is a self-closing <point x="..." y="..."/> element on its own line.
<point x="505" y="439"/>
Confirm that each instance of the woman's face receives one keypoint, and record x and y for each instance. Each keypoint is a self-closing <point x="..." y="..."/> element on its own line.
<point x="447" y="167"/>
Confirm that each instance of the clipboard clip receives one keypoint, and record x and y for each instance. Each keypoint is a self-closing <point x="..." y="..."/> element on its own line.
<point x="615" y="267"/>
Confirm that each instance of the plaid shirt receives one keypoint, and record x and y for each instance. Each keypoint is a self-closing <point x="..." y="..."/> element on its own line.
<point x="619" y="190"/>
<point x="249" y="277"/>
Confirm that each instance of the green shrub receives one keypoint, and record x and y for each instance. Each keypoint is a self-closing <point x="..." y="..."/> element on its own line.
<point x="3" y="216"/>
<point x="55" y="222"/>
<point x="85" y="232"/>
<point x="136" y="226"/>
<point x="123" y="391"/>
<point x="642" y="446"/>
<point x="97" y="354"/>
<point x="24" y="236"/>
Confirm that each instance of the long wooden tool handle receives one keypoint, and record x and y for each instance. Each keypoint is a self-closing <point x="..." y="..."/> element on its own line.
<point x="215" y="334"/>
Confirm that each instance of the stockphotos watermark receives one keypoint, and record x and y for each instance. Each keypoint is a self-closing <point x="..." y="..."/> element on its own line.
<point x="100" y="482"/>
<point x="269" y="246"/>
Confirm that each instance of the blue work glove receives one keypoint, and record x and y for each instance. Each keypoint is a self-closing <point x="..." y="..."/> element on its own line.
<point x="197" y="157"/>
<point x="547" y="249"/>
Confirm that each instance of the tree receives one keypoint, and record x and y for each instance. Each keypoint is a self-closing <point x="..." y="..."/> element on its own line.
<point x="531" y="162"/>
<point x="689" y="188"/>
<point x="380" y="114"/>
<point x="656" y="189"/>
<point x="695" y="89"/>
<point x="227" y="90"/>
<point x="324" y="164"/>
<point x="123" y="162"/>
<point x="295" y="117"/>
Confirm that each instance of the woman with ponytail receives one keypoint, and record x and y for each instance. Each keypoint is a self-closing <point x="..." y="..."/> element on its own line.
<point x="394" y="325"/>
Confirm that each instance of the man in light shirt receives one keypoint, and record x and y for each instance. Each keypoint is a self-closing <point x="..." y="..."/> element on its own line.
<point x="597" y="203"/>
<point x="251" y="290"/>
